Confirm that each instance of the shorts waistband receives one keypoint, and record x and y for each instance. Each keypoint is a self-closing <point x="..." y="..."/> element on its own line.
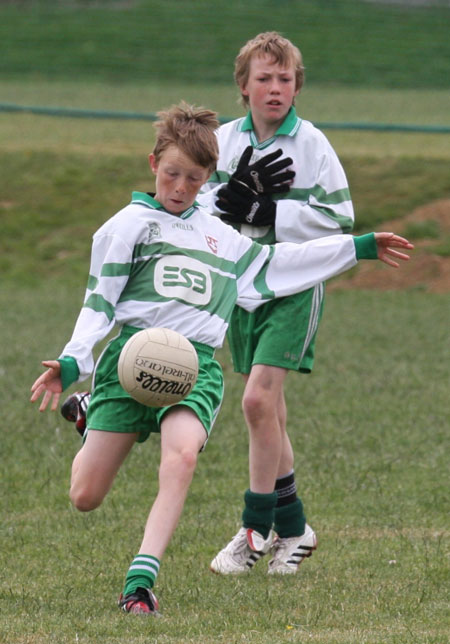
<point x="127" y="331"/>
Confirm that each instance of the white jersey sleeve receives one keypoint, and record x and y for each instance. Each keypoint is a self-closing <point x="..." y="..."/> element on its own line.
<point x="97" y="317"/>
<point x="287" y="268"/>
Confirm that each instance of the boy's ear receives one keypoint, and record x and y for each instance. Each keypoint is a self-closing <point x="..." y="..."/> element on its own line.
<point x="243" y="89"/>
<point x="152" y="162"/>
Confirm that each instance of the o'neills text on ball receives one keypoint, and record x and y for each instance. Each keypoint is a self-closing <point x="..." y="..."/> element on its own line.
<point x="165" y="370"/>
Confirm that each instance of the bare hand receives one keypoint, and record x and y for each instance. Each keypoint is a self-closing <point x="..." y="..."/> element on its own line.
<point x="386" y="242"/>
<point x="49" y="383"/>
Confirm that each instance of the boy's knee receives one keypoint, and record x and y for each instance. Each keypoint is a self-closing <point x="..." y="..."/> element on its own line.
<point x="84" y="499"/>
<point x="186" y="461"/>
<point x="256" y="402"/>
<point x="182" y="463"/>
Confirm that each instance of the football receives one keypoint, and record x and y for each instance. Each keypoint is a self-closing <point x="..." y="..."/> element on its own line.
<point x="158" y="367"/>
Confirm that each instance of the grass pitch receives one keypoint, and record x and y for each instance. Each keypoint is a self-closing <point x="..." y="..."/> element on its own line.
<point x="370" y="431"/>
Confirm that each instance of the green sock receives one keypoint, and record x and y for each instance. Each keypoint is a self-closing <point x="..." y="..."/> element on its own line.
<point x="290" y="520"/>
<point x="141" y="574"/>
<point x="258" y="511"/>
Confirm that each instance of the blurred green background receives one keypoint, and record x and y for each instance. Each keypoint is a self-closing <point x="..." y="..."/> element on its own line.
<point x="366" y="62"/>
<point x="349" y="42"/>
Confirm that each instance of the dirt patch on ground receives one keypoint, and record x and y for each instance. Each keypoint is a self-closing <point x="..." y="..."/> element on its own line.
<point x="427" y="270"/>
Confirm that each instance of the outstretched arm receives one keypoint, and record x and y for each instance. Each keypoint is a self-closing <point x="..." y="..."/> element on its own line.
<point x="286" y="268"/>
<point x="49" y="383"/>
<point x="386" y="243"/>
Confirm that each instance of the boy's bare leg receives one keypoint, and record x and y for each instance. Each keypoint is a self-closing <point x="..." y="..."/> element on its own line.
<point x="287" y="453"/>
<point x="269" y="502"/>
<point x="265" y="414"/>
<point x="96" y="465"/>
<point x="263" y="410"/>
<point x="182" y="436"/>
<point x="297" y="540"/>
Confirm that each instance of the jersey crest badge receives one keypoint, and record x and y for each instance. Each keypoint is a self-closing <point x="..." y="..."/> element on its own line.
<point x="212" y="243"/>
<point x="154" y="231"/>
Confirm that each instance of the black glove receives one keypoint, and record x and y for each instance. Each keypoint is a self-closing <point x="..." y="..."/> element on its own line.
<point x="264" y="176"/>
<point x="245" y="206"/>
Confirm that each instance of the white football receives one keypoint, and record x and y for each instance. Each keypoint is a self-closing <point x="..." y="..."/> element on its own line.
<point x="158" y="367"/>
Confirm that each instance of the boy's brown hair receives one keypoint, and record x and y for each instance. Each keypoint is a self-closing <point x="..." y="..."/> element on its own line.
<point x="190" y="128"/>
<point x="270" y="43"/>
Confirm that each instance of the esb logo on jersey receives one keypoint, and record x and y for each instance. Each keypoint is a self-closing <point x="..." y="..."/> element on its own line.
<point x="184" y="278"/>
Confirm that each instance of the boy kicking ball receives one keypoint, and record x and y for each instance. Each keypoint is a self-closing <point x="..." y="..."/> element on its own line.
<point x="164" y="261"/>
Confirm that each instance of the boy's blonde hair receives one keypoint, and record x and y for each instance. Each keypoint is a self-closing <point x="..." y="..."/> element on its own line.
<point x="270" y="43"/>
<point x="192" y="130"/>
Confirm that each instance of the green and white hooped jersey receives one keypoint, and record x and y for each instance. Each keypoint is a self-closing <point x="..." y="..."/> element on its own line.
<point x="150" y="268"/>
<point x="318" y="203"/>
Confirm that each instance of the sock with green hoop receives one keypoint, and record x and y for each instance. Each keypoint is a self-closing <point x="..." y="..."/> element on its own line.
<point x="141" y="574"/>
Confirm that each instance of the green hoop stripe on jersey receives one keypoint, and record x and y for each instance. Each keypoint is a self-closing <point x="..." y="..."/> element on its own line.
<point x="260" y="283"/>
<point x="92" y="282"/>
<point x="219" y="177"/>
<point x="337" y="196"/>
<point x="144" y="251"/>
<point x="247" y="258"/>
<point x="100" y="305"/>
<point x="115" y="269"/>
<point x="345" y="223"/>
<point x="304" y="194"/>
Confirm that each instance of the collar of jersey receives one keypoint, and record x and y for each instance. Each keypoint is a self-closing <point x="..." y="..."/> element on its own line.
<point x="144" y="199"/>
<point x="289" y="127"/>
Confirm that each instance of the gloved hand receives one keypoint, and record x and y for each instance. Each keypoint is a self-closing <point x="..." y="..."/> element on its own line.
<point x="245" y="206"/>
<point x="264" y="176"/>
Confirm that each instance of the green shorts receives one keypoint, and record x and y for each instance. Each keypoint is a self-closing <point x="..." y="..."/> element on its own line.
<point x="112" y="409"/>
<point x="280" y="333"/>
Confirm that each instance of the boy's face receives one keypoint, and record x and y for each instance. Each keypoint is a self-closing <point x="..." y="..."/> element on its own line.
<point x="178" y="179"/>
<point x="270" y="89"/>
